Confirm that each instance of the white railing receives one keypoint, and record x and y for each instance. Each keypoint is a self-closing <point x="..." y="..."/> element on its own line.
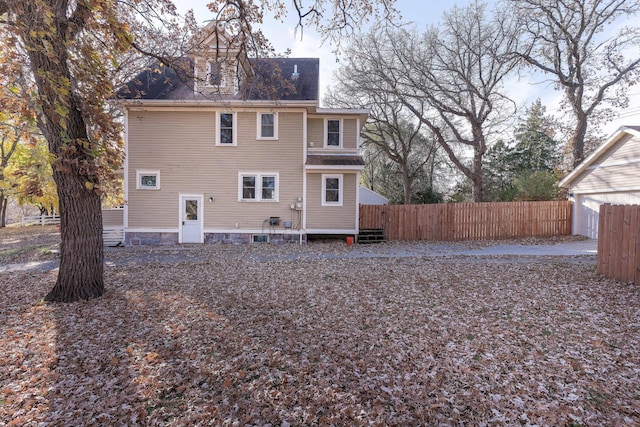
<point x="40" y="220"/>
<point x="113" y="236"/>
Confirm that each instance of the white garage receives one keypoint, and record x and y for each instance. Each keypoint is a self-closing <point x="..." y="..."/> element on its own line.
<point x="611" y="174"/>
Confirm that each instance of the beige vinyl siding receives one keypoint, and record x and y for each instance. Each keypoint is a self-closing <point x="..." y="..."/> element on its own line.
<point x="112" y="217"/>
<point x="619" y="168"/>
<point x="181" y="145"/>
<point x="315" y="132"/>
<point x="331" y="217"/>
<point x="350" y="134"/>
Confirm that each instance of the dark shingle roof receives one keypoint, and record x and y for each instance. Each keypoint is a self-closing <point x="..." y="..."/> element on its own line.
<point x="334" y="160"/>
<point x="162" y="82"/>
<point x="155" y="82"/>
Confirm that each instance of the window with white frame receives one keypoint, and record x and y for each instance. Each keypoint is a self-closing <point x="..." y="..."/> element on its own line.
<point x="333" y="133"/>
<point x="214" y="74"/>
<point x="267" y="126"/>
<point x="226" y="132"/>
<point x="148" y="180"/>
<point x="258" y="187"/>
<point x="332" y="190"/>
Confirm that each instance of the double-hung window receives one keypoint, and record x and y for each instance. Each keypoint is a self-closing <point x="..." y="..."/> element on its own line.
<point x="333" y="133"/>
<point x="332" y="190"/>
<point x="226" y="128"/>
<point x="267" y="126"/>
<point x="258" y="187"/>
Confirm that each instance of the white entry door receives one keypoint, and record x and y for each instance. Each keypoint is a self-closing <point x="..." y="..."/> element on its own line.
<point x="191" y="219"/>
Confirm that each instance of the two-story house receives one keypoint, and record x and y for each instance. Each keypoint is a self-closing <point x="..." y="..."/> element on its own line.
<point x="210" y="158"/>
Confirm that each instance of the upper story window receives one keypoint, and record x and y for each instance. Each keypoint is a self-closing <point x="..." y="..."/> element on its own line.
<point x="332" y="190"/>
<point x="226" y="128"/>
<point x="214" y="74"/>
<point x="333" y="133"/>
<point x="148" y="180"/>
<point x="267" y="126"/>
<point x="258" y="187"/>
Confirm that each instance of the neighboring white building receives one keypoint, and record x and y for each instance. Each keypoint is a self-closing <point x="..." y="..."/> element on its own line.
<point x="611" y="174"/>
<point x="370" y="197"/>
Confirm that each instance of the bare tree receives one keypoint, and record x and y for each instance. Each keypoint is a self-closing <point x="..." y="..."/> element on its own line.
<point x="576" y="42"/>
<point x="450" y="78"/>
<point x="389" y="129"/>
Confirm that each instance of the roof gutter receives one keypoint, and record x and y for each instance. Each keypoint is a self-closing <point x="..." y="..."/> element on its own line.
<point x="139" y="103"/>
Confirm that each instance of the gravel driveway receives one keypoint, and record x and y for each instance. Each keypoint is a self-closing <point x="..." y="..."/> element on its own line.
<point x="572" y="251"/>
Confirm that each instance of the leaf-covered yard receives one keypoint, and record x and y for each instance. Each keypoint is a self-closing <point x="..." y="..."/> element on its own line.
<point x="247" y="337"/>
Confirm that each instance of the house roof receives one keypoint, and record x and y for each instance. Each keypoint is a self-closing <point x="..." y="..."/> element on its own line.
<point x="370" y="197"/>
<point x="163" y="82"/>
<point x="334" y="160"/>
<point x="598" y="153"/>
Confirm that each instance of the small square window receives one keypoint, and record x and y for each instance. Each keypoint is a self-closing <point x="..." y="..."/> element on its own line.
<point x="148" y="180"/>
<point x="260" y="238"/>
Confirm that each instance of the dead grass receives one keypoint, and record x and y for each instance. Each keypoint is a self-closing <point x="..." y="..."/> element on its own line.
<point x="243" y="337"/>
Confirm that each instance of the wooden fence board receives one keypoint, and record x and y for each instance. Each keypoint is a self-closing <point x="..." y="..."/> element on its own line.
<point x="619" y="242"/>
<point x="469" y="221"/>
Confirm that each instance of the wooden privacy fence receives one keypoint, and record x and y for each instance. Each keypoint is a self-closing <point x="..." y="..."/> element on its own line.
<point x="469" y="221"/>
<point x="619" y="242"/>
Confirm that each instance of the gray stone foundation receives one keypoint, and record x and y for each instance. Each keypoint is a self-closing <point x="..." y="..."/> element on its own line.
<point x="137" y="239"/>
<point x="245" y="238"/>
<point x="157" y="239"/>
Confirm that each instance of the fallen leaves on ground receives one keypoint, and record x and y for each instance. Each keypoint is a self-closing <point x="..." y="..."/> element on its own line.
<point x="234" y="338"/>
<point x="27" y="244"/>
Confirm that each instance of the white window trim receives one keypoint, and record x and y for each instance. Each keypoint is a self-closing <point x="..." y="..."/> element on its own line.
<point x="259" y="176"/>
<point x="340" y="189"/>
<point x="234" y="129"/>
<point x="259" y="136"/>
<point x="326" y="131"/>
<point x="141" y="173"/>
<point x="208" y="73"/>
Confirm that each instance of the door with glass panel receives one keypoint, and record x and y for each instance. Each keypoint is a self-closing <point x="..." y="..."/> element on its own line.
<point x="191" y="219"/>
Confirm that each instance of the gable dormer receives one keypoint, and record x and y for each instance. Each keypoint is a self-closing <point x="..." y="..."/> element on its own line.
<point x="219" y="63"/>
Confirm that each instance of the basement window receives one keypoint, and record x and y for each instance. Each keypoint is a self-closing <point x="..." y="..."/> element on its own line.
<point x="259" y="238"/>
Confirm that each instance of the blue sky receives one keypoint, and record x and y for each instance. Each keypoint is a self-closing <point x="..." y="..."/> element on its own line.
<point x="422" y="13"/>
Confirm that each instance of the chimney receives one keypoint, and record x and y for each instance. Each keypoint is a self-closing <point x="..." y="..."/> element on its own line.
<point x="295" y="74"/>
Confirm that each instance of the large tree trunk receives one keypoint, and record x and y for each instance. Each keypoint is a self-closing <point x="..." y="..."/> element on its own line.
<point x="80" y="276"/>
<point x="81" y="253"/>
<point x="81" y="249"/>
